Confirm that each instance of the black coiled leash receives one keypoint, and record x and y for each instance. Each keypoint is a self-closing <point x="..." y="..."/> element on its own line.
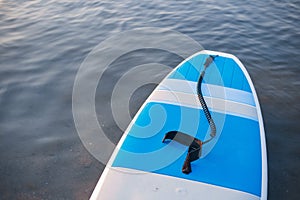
<point x="194" y="144"/>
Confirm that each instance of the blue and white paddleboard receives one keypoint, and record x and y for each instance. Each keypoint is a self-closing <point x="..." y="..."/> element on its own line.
<point x="174" y="148"/>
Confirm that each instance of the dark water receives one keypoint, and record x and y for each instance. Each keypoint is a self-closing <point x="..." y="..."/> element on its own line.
<point x="42" y="44"/>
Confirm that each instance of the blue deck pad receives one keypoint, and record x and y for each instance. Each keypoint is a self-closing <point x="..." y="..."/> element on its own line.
<point x="233" y="162"/>
<point x="169" y="118"/>
<point x="223" y="71"/>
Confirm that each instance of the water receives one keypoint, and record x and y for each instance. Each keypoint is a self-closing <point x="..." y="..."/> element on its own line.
<point x="42" y="44"/>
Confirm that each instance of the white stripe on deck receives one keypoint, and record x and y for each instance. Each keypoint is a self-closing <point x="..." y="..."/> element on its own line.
<point x="123" y="183"/>
<point x="214" y="104"/>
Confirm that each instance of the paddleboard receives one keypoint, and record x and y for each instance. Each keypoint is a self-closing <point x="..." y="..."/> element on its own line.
<point x="199" y="135"/>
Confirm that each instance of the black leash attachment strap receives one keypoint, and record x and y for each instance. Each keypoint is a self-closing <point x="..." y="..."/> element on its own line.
<point x="194" y="144"/>
<point x="213" y="129"/>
